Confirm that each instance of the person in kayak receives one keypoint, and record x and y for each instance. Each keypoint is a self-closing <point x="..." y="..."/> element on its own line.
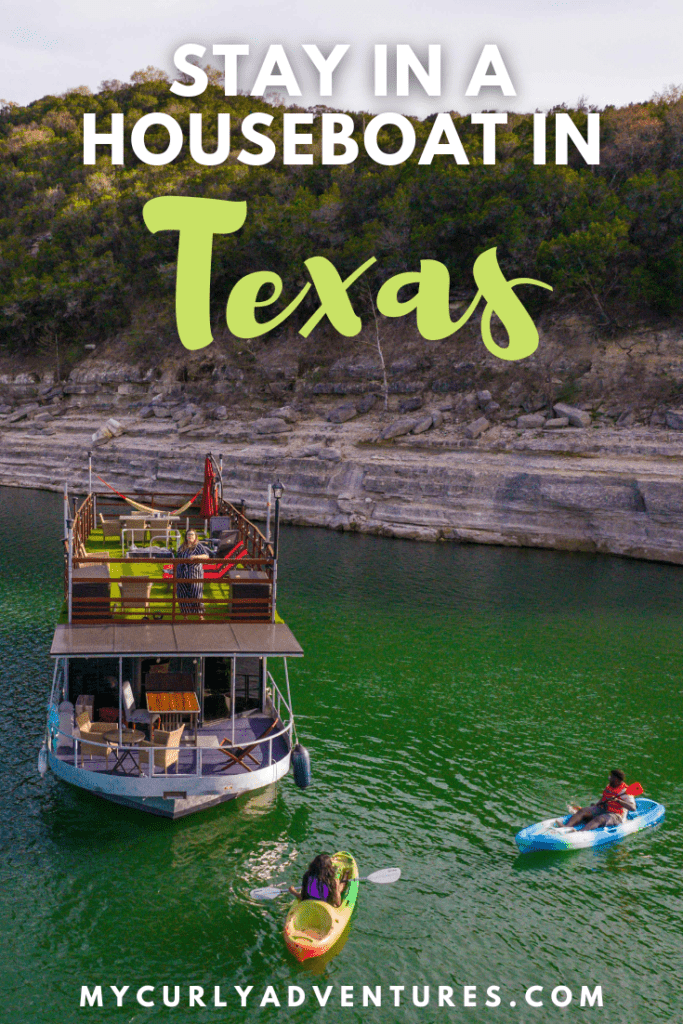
<point x="320" y="882"/>
<point x="611" y="809"/>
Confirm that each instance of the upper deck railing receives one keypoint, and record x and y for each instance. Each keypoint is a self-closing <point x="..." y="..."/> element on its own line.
<point x="104" y="583"/>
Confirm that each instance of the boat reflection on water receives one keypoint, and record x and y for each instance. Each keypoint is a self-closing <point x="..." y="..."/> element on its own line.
<point x="256" y="804"/>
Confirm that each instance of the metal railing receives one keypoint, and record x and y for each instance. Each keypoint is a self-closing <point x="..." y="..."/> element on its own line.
<point x="185" y="753"/>
<point x="196" y="753"/>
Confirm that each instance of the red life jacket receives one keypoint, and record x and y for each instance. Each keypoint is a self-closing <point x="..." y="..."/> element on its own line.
<point x="607" y="800"/>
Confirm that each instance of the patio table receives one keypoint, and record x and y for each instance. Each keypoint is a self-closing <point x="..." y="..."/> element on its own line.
<point x="129" y="738"/>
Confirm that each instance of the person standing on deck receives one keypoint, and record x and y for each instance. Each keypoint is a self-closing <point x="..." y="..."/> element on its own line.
<point x="611" y="809"/>
<point x="191" y="571"/>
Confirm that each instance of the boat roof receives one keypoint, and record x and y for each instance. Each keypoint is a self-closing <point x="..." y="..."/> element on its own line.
<point x="236" y="639"/>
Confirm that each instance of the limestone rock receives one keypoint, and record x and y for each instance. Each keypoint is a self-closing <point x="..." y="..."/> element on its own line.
<point x="22" y="412"/>
<point x="627" y="418"/>
<point x="361" y="369"/>
<point x="398" y="428"/>
<point x="531" y="421"/>
<point x="402" y="366"/>
<point x="533" y="402"/>
<point x="365" y="404"/>
<point x="483" y="398"/>
<point x="104" y="372"/>
<point x="270" y="425"/>
<point x="577" y="417"/>
<point x="345" y="411"/>
<point x="288" y="414"/>
<point x="556" y="424"/>
<point x="111" y="429"/>
<point x="674" y="419"/>
<point x="477" y="428"/>
<point x="437" y="418"/>
<point x="410" y="404"/>
<point x="426" y="423"/>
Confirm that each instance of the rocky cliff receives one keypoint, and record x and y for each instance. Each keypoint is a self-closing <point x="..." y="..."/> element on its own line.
<point x="579" y="448"/>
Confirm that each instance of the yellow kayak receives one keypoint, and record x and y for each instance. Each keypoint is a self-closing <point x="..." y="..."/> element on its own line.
<point x="312" y="926"/>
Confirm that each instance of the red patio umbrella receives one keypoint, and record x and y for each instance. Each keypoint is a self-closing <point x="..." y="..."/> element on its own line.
<point x="209" y="502"/>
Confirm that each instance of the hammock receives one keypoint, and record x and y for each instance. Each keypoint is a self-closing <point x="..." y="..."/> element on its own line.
<point x="146" y="508"/>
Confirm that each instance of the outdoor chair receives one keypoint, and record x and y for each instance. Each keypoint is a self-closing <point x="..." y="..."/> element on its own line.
<point x="110" y="527"/>
<point x="137" y="534"/>
<point x="225" y="542"/>
<point x="136" y="716"/>
<point x="217" y="524"/>
<point x="86" y="702"/>
<point x="135" y="593"/>
<point x="239" y="754"/>
<point x="160" y="531"/>
<point x="165" y="748"/>
<point x="93" y="731"/>
<point x="91" y="591"/>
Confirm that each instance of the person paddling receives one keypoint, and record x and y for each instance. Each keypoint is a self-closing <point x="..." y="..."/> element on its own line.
<point x="611" y="809"/>
<point x="320" y="882"/>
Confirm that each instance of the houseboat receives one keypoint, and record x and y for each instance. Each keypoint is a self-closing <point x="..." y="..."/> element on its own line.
<point x="163" y="698"/>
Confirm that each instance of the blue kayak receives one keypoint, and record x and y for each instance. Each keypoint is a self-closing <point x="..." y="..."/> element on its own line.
<point x="549" y="835"/>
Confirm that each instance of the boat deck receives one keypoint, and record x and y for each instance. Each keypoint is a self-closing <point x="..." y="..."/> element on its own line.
<point x="125" y="568"/>
<point x="205" y="759"/>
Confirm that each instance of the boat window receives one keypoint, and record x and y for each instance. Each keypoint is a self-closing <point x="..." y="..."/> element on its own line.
<point x="169" y="675"/>
<point x="94" y="684"/>
<point x="248" y="687"/>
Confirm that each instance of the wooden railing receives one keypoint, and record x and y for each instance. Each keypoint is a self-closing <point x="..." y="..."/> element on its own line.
<point x="256" y="543"/>
<point x="161" y="595"/>
<point x="84" y="523"/>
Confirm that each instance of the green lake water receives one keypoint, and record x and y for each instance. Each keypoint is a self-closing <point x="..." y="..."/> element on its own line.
<point x="449" y="696"/>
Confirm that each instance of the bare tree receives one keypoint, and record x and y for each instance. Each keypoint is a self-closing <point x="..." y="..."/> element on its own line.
<point x="378" y="346"/>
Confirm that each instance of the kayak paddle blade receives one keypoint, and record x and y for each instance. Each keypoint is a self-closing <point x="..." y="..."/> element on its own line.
<point x="384" y="877"/>
<point x="269" y="892"/>
<point x="635" y="789"/>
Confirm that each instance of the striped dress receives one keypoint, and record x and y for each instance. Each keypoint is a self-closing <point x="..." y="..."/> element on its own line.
<point x="191" y="571"/>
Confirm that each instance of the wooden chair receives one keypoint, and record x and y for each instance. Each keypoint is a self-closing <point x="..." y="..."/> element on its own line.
<point x="165" y="748"/>
<point x="238" y="755"/>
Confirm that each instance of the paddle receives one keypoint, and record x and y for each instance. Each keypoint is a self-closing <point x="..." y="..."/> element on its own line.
<point x="383" y="877"/>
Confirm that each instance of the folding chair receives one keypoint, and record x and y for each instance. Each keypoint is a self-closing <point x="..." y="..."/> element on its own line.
<point x="238" y="755"/>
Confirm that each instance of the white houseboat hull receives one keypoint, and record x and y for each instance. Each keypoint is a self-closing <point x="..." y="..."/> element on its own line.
<point x="168" y="796"/>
